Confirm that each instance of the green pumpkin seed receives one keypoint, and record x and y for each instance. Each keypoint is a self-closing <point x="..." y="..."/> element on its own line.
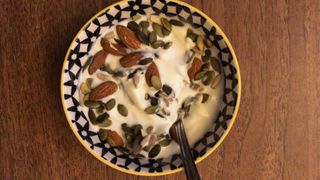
<point x="165" y="31"/>
<point x="205" y="66"/>
<point x="176" y="22"/>
<point x="167" y="89"/>
<point x="151" y="109"/>
<point x="156" y="82"/>
<point x="216" y="81"/>
<point x="167" y="45"/>
<point x="136" y="147"/>
<point x="196" y="50"/>
<point x="100" y="110"/>
<point x="137" y="129"/>
<point x="144" y="24"/>
<point x="84" y="88"/>
<point x="145" y="61"/>
<point x="157" y="44"/>
<point x="110" y="104"/>
<point x="89" y="82"/>
<point x="206" y="80"/>
<point x="128" y="138"/>
<point x="133" y="26"/>
<point x="92" y="104"/>
<point x="127" y="129"/>
<point x="103" y="135"/>
<point x="107" y="68"/>
<point x="102" y="76"/>
<point x="87" y="63"/>
<point x="215" y="64"/>
<point x="205" y="97"/>
<point x="154" y="151"/>
<point x="158" y="29"/>
<point x="105" y="123"/>
<point x="122" y="109"/>
<point x="92" y="117"/>
<point x="208" y="43"/>
<point x="154" y="101"/>
<point x="136" y="17"/>
<point x="165" y="142"/>
<point x="191" y="35"/>
<point x="200" y="43"/>
<point x="124" y="150"/>
<point x="199" y="75"/>
<point x="152" y="37"/>
<point x="145" y="31"/>
<point x="206" y="56"/>
<point x="103" y="117"/>
<point x="142" y="37"/>
<point x="166" y="24"/>
<point x="119" y="74"/>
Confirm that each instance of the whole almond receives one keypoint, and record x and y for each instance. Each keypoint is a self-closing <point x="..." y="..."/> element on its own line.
<point x="113" y="48"/>
<point x="97" y="62"/>
<point x="195" y="68"/>
<point x="131" y="59"/>
<point x="128" y="37"/>
<point x="152" y="70"/>
<point x="114" y="139"/>
<point x="103" y="90"/>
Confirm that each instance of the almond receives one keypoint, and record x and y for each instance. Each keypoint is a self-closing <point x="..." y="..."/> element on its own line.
<point x="103" y="90"/>
<point x="113" y="138"/>
<point x="113" y="48"/>
<point x="152" y="70"/>
<point x="128" y="37"/>
<point x="97" y="62"/>
<point x="195" y="68"/>
<point x="131" y="59"/>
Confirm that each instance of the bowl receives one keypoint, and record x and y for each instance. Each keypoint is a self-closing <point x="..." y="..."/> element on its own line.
<point x="77" y="55"/>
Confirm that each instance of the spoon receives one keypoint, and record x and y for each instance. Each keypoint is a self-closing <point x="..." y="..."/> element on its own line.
<point x="178" y="133"/>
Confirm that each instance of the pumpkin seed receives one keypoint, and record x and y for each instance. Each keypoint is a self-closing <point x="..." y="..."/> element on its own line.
<point x="145" y="141"/>
<point x="86" y="64"/>
<point x="144" y="24"/>
<point x="165" y="142"/>
<point x="208" y="43"/>
<point x="200" y="43"/>
<point x="136" y="147"/>
<point x="107" y="68"/>
<point x="100" y="110"/>
<point x="122" y="109"/>
<point x="166" y="24"/>
<point x="216" y="81"/>
<point x="142" y="37"/>
<point x="206" y="56"/>
<point x="215" y="64"/>
<point x="136" y="17"/>
<point x="158" y="93"/>
<point x="103" y="135"/>
<point x="127" y="129"/>
<point x="206" y="80"/>
<point x="92" y="117"/>
<point x="205" y="66"/>
<point x="152" y="37"/>
<point x="137" y="129"/>
<point x="119" y="74"/>
<point x="156" y="82"/>
<point x="84" y="88"/>
<point x="154" y="101"/>
<point x="149" y="129"/>
<point x="133" y="26"/>
<point x="128" y="138"/>
<point x="124" y="150"/>
<point x="167" y="89"/>
<point x="102" y="76"/>
<point x="146" y="96"/>
<point x="110" y="104"/>
<point x="205" y="97"/>
<point x="133" y="73"/>
<point x="165" y="31"/>
<point x="89" y="82"/>
<point x="158" y="29"/>
<point x="105" y="123"/>
<point x="102" y="117"/>
<point x="167" y="45"/>
<point x="193" y="54"/>
<point x="92" y="104"/>
<point x="191" y="35"/>
<point x="145" y="31"/>
<point x="151" y="109"/>
<point x="154" y="151"/>
<point x="194" y="86"/>
<point x="157" y="44"/>
<point x="196" y="50"/>
<point x="199" y="75"/>
<point x="145" y="61"/>
<point x="176" y="22"/>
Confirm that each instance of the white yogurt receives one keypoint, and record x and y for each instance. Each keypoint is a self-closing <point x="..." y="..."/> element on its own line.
<point x="173" y="72"/>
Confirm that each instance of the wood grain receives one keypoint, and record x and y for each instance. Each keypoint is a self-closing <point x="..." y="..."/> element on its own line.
<point x="277" y="131"/>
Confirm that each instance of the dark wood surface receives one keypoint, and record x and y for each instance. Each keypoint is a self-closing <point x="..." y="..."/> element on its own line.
<point x="277" y="131"/>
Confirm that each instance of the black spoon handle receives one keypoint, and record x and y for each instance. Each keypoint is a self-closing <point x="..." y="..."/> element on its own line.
<point x="189" y="165"/>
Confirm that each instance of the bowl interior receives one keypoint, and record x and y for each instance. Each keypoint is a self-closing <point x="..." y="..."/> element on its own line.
<point x="77" y="56"/>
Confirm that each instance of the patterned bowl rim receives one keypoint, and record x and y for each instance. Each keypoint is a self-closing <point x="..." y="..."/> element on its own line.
<point x="170" y="171"/>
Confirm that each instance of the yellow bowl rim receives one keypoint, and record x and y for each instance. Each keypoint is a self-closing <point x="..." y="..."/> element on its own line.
<point x="178" y="169"/>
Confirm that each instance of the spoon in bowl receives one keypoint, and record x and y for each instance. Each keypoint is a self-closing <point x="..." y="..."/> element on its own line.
<point x="178" y="134"/>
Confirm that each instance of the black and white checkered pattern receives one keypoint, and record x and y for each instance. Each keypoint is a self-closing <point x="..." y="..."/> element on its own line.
<point x="78" y="56"/>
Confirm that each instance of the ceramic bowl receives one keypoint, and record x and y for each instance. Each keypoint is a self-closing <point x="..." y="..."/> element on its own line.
<point x="78" y="53"/>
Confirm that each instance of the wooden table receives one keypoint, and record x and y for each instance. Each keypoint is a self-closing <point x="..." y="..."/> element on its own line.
<point x="277" y="131"/>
